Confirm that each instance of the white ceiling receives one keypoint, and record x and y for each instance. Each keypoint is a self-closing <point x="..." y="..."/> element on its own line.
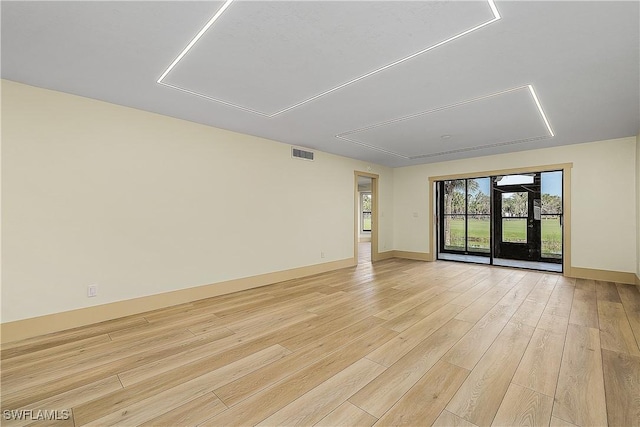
<point x="343" y="76"/>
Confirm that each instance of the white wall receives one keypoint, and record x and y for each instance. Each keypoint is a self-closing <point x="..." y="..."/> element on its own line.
<point x="143" y="204"/>
<point x="603" y="199"/>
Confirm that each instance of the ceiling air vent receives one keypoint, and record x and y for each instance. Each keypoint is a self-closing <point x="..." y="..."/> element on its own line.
<point x="301" y="154"/>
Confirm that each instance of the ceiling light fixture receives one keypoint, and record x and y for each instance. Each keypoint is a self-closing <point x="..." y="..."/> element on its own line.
<point x="344" y="135"/>
<point x="195" y="39"/>
<point x="544" y="116"/>
<point x="492" y="6"/>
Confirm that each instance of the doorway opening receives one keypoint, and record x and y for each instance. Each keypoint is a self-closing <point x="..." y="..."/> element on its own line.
<point x="366" y="227"/>
<point x="513" y="220"/>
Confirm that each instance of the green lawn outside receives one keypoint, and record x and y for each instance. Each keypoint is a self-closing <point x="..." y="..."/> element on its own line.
<point x="513" y="231"/>
<point x="366" y="222"/>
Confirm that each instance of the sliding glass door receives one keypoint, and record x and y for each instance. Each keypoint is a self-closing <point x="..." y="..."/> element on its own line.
<point x="466" y="216"/>
<point x="509" y="217"/>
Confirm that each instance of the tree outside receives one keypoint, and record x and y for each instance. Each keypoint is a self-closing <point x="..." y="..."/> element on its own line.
<point x="453" y="205"/>
<point x="366" y="211"/>
<point x="475" y="192"/>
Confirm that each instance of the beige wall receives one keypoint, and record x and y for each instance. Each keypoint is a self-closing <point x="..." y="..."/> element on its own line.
<point x="142" y="204"/>
<point x="603" y="201"/>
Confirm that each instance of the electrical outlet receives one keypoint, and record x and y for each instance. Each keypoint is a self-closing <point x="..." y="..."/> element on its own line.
<point x="321" y="254"/>
<point x="92" y="291"/>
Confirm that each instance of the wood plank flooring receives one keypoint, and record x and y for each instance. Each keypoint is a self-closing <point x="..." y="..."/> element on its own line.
<point x="398" y="342"/>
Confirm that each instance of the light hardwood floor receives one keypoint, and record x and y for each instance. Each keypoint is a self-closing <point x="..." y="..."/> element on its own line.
<point x="394" y="343"/>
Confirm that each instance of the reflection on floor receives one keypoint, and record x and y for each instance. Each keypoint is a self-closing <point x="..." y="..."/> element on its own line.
<point x="364" y="252"/>
<point x="531" y="265"/>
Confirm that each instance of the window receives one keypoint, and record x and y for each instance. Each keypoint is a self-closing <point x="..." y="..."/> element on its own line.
<point x="365" y="209"/>
<point x="514" y="179"/>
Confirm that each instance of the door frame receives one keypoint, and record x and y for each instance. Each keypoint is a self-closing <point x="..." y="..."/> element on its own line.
<point x="566" y="190"/>
<point x="374" y="215"/>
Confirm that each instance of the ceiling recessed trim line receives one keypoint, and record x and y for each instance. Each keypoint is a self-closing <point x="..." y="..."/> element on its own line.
<point x="492" y="6"/>
<point x="344" y="135"/>
<point x="480" y="147"/>
<point x="201" y="95"/>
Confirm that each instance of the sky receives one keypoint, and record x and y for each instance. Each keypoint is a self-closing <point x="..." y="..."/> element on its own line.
<point x="552" y="183"/>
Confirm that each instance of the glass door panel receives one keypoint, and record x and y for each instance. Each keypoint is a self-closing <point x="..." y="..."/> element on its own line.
<point x="551" y="237"/>
<point x="479" y="215"/>
<point x="551" y="216"/>
<point x="517" y="217"/>
<point x="454" y="230"/>
<point x="454" y="235"/>
<point x="514" y="230"/>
